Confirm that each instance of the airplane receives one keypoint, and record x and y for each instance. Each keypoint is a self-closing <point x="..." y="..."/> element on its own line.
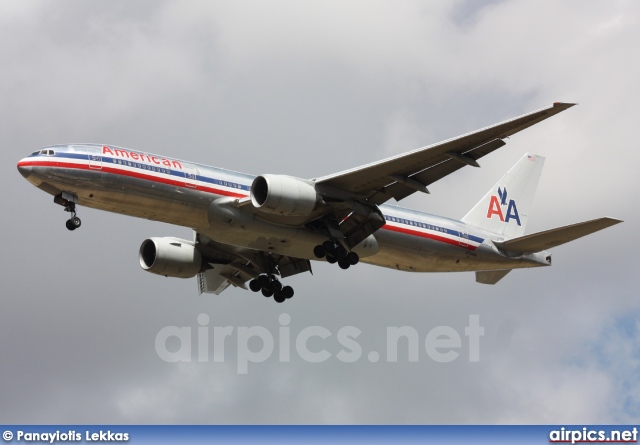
<point x="261" y="229"/>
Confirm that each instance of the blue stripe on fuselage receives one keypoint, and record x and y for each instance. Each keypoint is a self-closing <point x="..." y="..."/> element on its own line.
<point x="409" y="223"/>
<point x="158" y="169"/>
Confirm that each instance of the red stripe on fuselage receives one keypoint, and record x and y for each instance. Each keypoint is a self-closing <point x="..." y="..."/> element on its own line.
<point x="182" y="184"/>
<point x="432" y="236"/>
<point x="131" y="174"/>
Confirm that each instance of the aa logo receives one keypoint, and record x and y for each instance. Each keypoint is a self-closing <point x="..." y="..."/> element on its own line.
<point x="496" y="205"/>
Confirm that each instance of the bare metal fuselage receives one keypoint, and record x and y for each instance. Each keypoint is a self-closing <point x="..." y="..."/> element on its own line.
<point x="201" y="197"/>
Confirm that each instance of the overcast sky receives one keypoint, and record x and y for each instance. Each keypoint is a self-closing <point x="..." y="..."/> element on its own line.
<point x="307" y="89"/>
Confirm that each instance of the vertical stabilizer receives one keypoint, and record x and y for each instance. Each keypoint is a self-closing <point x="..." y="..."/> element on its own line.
<point x="505" y="209"/>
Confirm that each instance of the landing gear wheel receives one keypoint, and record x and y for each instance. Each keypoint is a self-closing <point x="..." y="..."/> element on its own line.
<point x="344" y="263"/>
<point x="331" y="259"/>
<point x="266" y="292"/>
<point x="275" y="286"/>
<point x="353" y="258"/>
<point x="341" y="252"/>
<point x="263" y="281"/>
<point x="254" y="285"/>
<point x="319" y="252"/>
<point x="328" y="246"/>
<point x="279" y="297"/>
<point x="287" y="291"/>
<point x="68" y="201"/>
<point x="75" y="222"/>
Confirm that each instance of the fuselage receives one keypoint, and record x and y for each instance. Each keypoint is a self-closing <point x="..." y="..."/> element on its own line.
<point x="200" y="197"/>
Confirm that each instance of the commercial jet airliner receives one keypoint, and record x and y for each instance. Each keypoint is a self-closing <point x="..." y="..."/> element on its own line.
<point x="259" y="230"/>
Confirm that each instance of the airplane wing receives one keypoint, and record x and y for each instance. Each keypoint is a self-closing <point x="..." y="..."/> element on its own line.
<point x="400" y="176"/>
<point x="230" y="265"/>
<point x="351" y="198"/>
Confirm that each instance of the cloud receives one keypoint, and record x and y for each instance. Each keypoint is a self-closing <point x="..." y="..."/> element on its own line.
<point x="308" y="88"/>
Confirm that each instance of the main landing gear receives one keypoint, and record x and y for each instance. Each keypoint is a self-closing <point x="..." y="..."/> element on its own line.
<point x="68" y="201"/>
<point x="271" y="287"/>
<point x="336" y="253"/>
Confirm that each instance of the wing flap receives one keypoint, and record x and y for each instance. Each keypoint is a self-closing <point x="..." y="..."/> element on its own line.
<point x="212" y="282"/>
<point x="540" y="241"/>
<point x="292" y="266"/>
<point x="232" y="265"/>
<point x="432" y="174"/>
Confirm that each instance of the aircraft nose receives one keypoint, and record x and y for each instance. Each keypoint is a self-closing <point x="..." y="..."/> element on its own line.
<point x="25" y="170"/>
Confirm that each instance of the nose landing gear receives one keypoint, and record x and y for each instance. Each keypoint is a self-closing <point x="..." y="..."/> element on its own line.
<point x="68" y="201"/>
<point x="74" y="222"/>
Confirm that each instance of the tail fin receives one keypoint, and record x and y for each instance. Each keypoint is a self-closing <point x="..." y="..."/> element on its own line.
<point x="505" y="209"/>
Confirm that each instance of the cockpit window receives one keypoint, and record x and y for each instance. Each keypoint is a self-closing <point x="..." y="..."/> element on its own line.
<point x="45" y="152"/>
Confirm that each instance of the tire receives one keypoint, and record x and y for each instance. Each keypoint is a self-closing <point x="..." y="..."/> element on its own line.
<point x="331" y="259"/>
<point x="287" y="291"/>
<point x="70" y="226"/>
<point x="254" y="285"/>
<point x="75" y="222"/>
<point x="328" y="246"/>
<point x="353" y="258"/>
<point x="266" y="292"/>
<point x="263" y="280"/>
<point x="275" y="286"/>
<point x="279" y="297"/>
<point x="344" y="264"/>
<point x="319" y="252"/>
<point x="341" y="252"/>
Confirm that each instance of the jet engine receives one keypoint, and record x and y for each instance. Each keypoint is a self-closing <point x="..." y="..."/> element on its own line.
<point x="171" y="257"/>
<point x="284" y="195"/>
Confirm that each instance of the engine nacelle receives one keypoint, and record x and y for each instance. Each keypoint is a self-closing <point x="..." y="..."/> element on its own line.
<point x="171" y="257"/>
<point x="283" y="195"/>
<point x="367" y="247"/>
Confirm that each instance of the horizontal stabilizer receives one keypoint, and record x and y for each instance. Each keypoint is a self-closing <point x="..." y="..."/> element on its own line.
<point x="540" y="241"/>
<point x="491" y="276"/>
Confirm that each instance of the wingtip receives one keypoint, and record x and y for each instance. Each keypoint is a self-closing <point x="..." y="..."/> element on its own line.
<point x="613" y="221"/>
<point x="564" y="105"/>
<point x="607" y="221"/>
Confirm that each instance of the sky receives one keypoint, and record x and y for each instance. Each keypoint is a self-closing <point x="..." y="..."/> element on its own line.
<point x="308" y="89"/>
